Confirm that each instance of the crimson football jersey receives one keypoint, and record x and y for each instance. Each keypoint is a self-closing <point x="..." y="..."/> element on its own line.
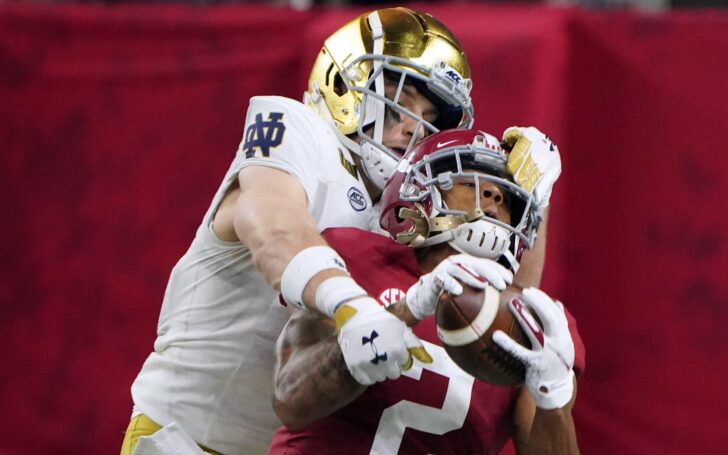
<point x="431" y="409"/>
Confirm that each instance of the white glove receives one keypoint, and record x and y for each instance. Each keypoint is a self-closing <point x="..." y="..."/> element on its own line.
<point x="549" y="365"/>
<point x="534" y="161"/>
<point x="422" y="297"/>
<point x="376" y="345"/>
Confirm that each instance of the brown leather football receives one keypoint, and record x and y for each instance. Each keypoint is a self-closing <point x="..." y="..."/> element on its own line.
<point x="465" y="326"/>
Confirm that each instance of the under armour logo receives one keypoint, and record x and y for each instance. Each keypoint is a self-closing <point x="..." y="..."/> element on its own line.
<point x="375" y="351"/>
<point x="264" y="134"/>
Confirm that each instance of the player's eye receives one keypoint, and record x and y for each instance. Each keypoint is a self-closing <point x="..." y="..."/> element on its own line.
<point x="430" y="118"/>
<point x="465" y="183"/>
<point x="391" y="115"/>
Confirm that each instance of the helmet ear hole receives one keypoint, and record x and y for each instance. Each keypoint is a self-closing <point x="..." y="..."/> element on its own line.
<point x="339" y="85"/>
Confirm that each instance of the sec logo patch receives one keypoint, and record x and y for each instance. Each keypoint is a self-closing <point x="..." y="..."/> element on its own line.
<point x="390" y="296"/>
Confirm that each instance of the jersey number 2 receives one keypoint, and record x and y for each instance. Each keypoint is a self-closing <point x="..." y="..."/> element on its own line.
<point x="403" y="414"/>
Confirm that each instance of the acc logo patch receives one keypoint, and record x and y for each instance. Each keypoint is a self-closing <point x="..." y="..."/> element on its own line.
<point x="356" y="199"/>
<point x="264" y="135"/>
<point x="454" y="76"/>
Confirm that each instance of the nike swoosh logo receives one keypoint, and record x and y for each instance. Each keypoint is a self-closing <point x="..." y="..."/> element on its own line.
<point x="442" y="144"/>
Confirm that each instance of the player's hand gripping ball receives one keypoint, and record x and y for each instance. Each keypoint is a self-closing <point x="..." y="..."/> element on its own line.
<point x="465" y="326"/>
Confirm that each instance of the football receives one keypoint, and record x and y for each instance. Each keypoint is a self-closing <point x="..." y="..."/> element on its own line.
<point x="465" y="326"/>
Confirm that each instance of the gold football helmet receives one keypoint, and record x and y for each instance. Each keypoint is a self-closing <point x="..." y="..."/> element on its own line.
<point x="405" y="46"/>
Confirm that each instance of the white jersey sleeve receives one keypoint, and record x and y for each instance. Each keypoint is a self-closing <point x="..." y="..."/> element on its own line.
<point x="283" y="134"/>
<point x="213" y="359"/>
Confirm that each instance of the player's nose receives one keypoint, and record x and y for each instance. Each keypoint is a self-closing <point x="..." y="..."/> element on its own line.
<point x="491" y="198"/>
<point x="413" y="128"/>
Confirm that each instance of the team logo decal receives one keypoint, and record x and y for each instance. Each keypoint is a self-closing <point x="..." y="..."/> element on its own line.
<point x="264" y="135"/>
<point x="390" y="296"/>
<point x="348" y="165"/>
<point x="454" y="76"/>
<point x="356" y="199"/>
<point x="370" y="340"/>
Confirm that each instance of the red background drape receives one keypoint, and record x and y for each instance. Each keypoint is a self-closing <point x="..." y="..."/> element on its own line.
<point x="117" y="124"/>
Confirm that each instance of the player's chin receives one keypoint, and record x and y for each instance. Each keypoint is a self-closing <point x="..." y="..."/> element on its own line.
<point x="398" y="151"/>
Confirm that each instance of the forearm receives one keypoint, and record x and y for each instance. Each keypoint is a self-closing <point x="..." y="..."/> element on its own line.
<point x="311" y="378"/>
<point x="545" y="432"/>
<point x="553" y="432"/>
<point x="532" y="261"/>
<point x="271" y="218"/>
<point x="402" y="312"/>
<point x="273" y="239"/>
<point x="312" y="384"/>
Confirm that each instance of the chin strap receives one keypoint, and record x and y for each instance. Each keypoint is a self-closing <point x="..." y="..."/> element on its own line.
<point x="374" y="161"/>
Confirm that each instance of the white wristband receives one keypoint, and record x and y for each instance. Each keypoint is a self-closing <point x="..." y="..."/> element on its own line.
<point x="303" y="267"/>
<point x="334" y="291"/>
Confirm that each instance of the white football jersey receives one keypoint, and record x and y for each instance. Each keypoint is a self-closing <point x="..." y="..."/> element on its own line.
<point x="212" y="365"/>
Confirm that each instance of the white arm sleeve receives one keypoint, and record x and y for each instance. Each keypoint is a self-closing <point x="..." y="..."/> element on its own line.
<point x="284" y="134"/>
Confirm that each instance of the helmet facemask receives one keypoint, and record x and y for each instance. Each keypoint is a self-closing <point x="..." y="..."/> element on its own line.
<point x="403" y="46"/>
<point x="377" y="109"/>
<point x="468" y="230"/>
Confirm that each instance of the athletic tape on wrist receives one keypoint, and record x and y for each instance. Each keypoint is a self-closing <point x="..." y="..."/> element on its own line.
<point x="303" y="267"/>
<point x="334" y="291"/>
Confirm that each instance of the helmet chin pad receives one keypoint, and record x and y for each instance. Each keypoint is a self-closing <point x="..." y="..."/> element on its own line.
<point x="481" y="238"/>
<point x="377" y="165"/>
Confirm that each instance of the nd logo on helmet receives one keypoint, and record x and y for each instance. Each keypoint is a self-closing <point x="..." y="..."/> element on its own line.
<point x="264" y="134"/>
